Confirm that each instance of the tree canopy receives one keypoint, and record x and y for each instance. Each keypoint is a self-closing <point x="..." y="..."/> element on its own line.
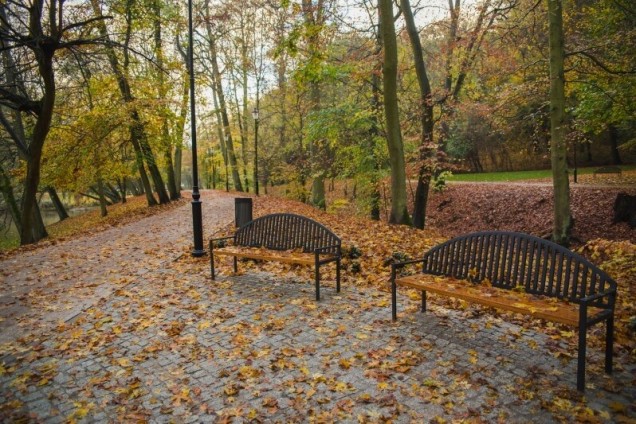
<point x="94" y="96"/>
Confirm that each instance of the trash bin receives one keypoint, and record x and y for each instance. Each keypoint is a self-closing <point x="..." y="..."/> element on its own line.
<point x="242" y="211"/>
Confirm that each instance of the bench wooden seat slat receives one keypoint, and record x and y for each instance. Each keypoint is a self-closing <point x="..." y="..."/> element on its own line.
<point x="560" y="312"/>
<point x="526" y="275"/>
<point x="282" y="237"/>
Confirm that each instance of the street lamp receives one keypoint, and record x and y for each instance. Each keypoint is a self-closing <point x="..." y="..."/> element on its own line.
<point x="255" y="116"/>
<point x="197" y="225"/>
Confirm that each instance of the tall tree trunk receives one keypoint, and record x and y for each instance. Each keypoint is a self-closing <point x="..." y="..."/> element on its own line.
<point x="43" y="48"/>
<point x="314" y="20"/>
<point x="399" y="211"/>
<point x="454" y="9"/>
<point x="216" y="74"/>
<point x="562" y="217"/>
<point x="31" y="230"/>
<point x="39" y="222"/>
<point x="9" y="198"/>
<point x="59" y="206"/>
<point x="102" y="198"/>
<point x="178" y="131"/>
<point x="318" y="192"/>
<point x="219" y="129"/>
<point x="122" y="189"/>
<point x="136" y="128"/>
<point x="374" y="131"/>
<point x="427" y="148"/>
<point x="282" y="103"/>
<point x="241" y="119"/>
<point x="163" y="94"/>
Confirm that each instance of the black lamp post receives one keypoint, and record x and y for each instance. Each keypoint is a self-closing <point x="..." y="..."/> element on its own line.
<point x="227" y="178"/>
<point x="214" y="177"/>
<point x="197" y="225"/>
<point x="575" y="164"/>
<point x="255" y="116"/>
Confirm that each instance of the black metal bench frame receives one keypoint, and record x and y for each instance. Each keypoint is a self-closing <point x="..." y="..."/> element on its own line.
<point x="608" y="170"/>
<point x="284" y="232"/>
<point x="539" y="266"/>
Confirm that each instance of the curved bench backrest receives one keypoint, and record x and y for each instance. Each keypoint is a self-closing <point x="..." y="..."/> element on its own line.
<point x="286" y="231"/>
<point x="509" y="260"/>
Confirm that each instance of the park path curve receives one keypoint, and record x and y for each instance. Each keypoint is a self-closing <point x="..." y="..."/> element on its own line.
<point x="52" y="284"/>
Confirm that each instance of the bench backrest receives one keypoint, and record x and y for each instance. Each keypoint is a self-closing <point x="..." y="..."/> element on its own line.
<point x="509" y="260"/>
<point x="286" y="231"/>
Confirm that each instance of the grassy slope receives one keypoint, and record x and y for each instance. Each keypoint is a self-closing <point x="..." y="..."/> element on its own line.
<point x="521" y="175"/>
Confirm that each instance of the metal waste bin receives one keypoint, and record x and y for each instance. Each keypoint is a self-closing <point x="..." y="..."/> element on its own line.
<point x="242" y="211"/>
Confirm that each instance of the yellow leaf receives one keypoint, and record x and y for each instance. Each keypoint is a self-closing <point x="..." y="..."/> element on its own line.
<point x="203" y="325"/>
<point x="248" y="372"/>
<point x="365" y="397"/>
<point x="81" y="410"/>
<point x="124" y="362"/>
<point x="340" y="386"/>
<point x="230" y="390"/>
<point x="344" y="363"/>
<point x="617" y="407"/>
<point x="382" y="303"/>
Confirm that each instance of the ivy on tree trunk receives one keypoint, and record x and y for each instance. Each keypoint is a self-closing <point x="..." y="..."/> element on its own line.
<point x="562" y="217"/>
<point x="399" y="213"/>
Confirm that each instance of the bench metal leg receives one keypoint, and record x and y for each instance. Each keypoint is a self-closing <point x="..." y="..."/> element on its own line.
<point x="338" y="275"/>
<point x="580" y="368"/>
<point x="609" y="344"/>
<point x="423" y="301"/>
<point x="212" y="260"/>
<point x="317" y="282"/>
<point x="235" y="264"/>
<point x="393" y="297"/>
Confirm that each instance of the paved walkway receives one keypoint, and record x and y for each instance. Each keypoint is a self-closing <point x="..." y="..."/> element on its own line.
<point x="55" y="283"/>
<point x="170" y="345"/>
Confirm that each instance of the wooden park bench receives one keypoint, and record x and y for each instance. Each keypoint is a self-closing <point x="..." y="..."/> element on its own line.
<point x="521" y="274"/>
<point x="608" y="170"/>
<point x="282" y="237"/>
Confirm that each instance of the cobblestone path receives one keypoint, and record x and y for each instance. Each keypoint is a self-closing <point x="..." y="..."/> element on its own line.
<point x="166" y="344"/>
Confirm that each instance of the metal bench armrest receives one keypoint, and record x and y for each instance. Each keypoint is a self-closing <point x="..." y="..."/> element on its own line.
<point x="596" y="296"/>
<point x="212" y="241"/>
<point x="321" y="250"/>
<point x="397" y="265"/>
<point x="222" y="238"/>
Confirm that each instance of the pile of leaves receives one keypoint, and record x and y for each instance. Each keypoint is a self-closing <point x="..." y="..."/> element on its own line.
<point x="618" y="259"/>
<point x="468" y="207"/>
<point x="92" y="222"/>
